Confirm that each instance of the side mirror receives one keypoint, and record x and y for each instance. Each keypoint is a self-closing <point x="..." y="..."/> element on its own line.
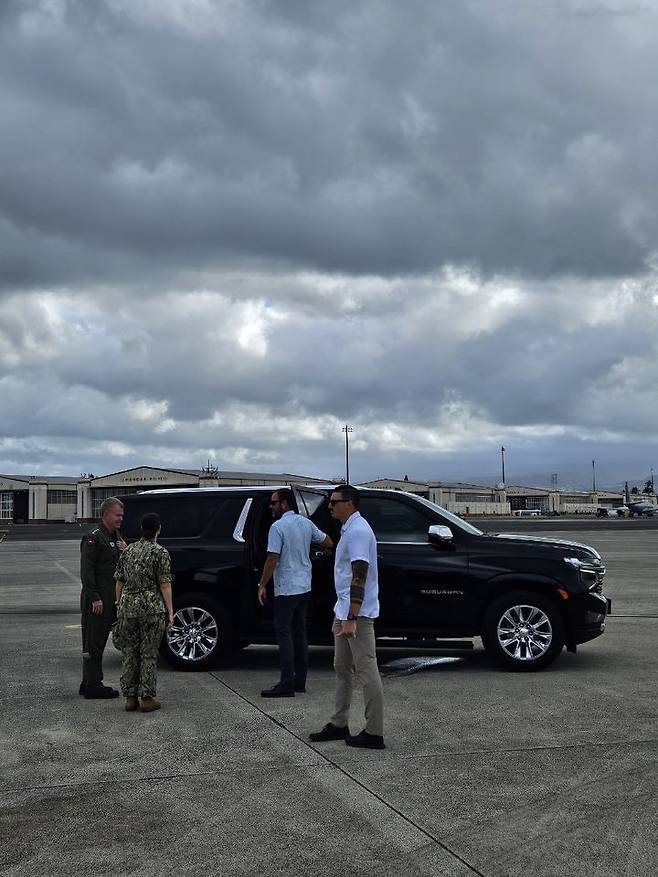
<point x="439" y="533"/>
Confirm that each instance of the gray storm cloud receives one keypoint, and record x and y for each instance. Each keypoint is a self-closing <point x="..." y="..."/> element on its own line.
<point x="226" y="228"/>
<point x="383" y="139"/>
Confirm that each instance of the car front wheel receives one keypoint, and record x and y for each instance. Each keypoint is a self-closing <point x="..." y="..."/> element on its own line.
<point x="523" y="631"/>
<point x="201" y="635"/>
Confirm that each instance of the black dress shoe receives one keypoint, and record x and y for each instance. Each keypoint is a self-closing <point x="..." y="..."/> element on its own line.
<point x="300" y="689"/>
<point x="330" y="732"/>
<point x="100" y="692"/>
<point x="82" y="689"/>
<point x="364" y="740"/>
<point x="277" y="691"/>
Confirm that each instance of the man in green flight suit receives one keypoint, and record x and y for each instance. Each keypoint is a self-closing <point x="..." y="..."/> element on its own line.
<point x="99" y="555"/>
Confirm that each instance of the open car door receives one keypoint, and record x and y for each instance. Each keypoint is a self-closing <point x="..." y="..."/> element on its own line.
<point x="312" y="503"/>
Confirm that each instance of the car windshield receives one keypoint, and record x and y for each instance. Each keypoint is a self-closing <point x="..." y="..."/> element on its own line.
<point x="458" y="522"/>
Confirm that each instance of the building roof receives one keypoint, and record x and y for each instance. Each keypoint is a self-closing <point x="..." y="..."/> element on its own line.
<point x="414" y="482"/>
<point x="48" y="479"/>
<point x="195" y="473"/>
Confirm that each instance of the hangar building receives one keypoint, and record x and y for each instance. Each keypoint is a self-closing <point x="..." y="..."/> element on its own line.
<point x="26" y="498"/>
<point x="475" y="499"/>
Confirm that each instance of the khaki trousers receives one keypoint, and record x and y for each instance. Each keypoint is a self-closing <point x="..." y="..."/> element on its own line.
<point x="355" y="660"/>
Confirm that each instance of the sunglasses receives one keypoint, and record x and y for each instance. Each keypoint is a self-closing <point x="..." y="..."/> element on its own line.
<point x="336" y="501"/>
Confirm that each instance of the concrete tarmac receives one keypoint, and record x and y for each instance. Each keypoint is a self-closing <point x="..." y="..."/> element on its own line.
<point x="486" y="772"/>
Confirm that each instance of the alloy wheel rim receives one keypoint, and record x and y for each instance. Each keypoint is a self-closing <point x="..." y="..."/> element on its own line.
<point x="193" y="635"/>
<point x="525" y="632"/>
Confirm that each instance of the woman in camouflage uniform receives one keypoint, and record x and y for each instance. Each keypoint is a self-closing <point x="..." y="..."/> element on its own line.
<point x="143" y="578"/>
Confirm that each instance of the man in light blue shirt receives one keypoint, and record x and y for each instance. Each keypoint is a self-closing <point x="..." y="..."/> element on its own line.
<point x="288" y="560"/>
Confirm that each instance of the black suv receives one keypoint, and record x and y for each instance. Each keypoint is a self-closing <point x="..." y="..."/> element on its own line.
<point x="439" y="577"/>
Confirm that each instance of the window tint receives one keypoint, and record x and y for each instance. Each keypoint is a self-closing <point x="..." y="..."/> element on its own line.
<point x="394" y="521"/>
<point x="312" y="501"/>
<point x="223" y="524"/>
<point x="182" y="516"/>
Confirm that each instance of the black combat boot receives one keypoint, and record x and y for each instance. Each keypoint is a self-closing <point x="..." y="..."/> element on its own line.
<point x="100" y="692"/>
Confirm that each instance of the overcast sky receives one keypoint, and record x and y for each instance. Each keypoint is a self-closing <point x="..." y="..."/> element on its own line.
<point x="229" y="228"/>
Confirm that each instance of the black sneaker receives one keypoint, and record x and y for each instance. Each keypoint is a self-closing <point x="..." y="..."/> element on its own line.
<point x="364" y="740"/>
<point x="100" y="692"/>
<point x="277" y="691"/>
<point x="330" y="732"/>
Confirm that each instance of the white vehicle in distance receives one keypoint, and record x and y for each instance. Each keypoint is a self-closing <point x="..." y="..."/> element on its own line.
<point x="621" y="511"/>
<point x="527" y="513"/>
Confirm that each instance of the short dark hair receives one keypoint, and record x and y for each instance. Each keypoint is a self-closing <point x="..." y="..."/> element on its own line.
<point x="285" y="494"/>
<point x="150" y="524"/>
<point x="348" y="492"/>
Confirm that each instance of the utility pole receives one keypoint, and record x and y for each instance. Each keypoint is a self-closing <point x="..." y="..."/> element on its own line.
<point x="347" y="430"/>
<point x="502" y="459"/>
<point x="593" y="477"/>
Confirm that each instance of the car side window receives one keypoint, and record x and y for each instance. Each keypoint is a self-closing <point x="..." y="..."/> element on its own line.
<point x="393" y="520"/>
<point x="223" y="523"/>
<point x="317" y="510"/>
<point x="182" y="517"/>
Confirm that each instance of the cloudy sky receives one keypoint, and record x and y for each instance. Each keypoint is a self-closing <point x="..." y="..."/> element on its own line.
<point x="229" y="227"/>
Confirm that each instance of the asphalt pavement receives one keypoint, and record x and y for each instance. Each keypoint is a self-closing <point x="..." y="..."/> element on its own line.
<point x="485" y="772"/>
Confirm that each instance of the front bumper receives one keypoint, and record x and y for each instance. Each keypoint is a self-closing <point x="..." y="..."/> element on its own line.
<point x="587" y="617"/>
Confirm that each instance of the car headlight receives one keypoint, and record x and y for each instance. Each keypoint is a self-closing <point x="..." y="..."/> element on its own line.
<point x="591" y="573"/>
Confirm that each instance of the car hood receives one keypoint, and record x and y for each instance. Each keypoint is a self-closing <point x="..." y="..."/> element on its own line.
<point x="565" y="546"/>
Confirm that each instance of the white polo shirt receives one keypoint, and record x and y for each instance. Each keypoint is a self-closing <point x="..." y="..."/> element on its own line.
<point x="357" y="542"/>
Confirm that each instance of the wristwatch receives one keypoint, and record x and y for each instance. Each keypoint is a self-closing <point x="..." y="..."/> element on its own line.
<point x="351" y="616"/>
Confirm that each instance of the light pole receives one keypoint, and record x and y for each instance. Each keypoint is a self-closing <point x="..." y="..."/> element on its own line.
<point x="593" y="477"/>
<point x="502" y="460"/>
<point x="347" y="430"/>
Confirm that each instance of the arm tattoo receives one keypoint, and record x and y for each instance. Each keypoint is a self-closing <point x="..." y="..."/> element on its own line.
<point x="359" y="574"/>
<point x="357" y="593"/>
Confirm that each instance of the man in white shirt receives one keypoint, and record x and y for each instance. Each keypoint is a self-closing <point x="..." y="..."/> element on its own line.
<point x="288" y="560"/>
<point x="357" y="607"/>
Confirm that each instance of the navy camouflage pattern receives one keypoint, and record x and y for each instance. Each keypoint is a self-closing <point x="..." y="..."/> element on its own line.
<point x="143" y="566"/>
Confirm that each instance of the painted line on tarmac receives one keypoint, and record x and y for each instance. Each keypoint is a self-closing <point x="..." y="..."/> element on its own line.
<point x="601" y="744"/>
<point x="66" y="572"/>
<point x="616" y="615"/>
<point x="22" y="610"/>
<point x="369" y="791"/>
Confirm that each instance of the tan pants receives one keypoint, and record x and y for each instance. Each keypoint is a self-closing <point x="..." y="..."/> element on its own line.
<point x="355" y="659"/>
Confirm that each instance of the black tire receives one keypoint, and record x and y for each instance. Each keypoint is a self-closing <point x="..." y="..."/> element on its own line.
<point x="523" y="631"/>
<point x="202" y="635"/>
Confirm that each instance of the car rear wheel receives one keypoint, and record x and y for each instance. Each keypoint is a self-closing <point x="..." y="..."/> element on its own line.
<point x="201" y="635"/>
<point x="523" y="631"/>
